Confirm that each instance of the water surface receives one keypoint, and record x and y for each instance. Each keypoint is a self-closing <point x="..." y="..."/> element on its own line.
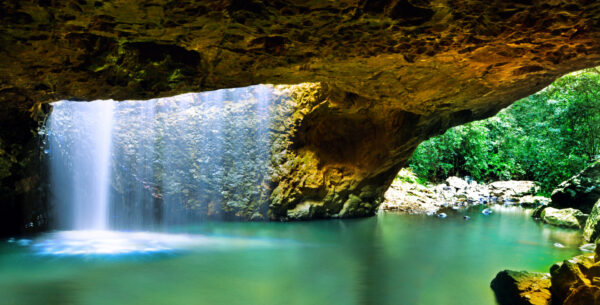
<point x="388" y="259"/>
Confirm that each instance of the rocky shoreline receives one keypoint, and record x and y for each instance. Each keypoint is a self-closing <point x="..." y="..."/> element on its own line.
<point x="407" y="195"/>
<point x="574" y="204"/>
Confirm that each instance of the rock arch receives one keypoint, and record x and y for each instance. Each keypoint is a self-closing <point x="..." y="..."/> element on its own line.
<point x="388" y="74"/>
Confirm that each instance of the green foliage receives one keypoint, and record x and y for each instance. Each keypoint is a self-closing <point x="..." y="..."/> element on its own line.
<point x="546" y="137"/>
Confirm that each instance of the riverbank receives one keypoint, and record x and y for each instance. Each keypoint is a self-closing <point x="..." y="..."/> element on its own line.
<point x="572" y="281"/>
<point x="409" y="195"/>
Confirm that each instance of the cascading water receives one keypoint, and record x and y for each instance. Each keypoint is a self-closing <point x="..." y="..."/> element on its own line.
<point x="79" y="147"/>
<point x="140" y="165"/>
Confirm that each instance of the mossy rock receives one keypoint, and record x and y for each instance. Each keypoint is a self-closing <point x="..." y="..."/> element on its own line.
<point x="569" y="218"/>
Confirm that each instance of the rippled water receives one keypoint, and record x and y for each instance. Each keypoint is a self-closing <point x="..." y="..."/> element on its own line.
<point x="388" y="259"/>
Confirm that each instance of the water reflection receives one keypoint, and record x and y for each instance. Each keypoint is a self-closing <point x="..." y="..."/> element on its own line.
<point x="389" y="259"/>
<point x="86" y="243"/>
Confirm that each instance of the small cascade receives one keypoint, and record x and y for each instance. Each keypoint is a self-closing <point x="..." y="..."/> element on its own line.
<point x="141" y="165"/>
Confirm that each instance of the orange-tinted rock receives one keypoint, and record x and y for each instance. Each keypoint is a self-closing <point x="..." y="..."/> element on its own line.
<point x="521" y="288"/>
<point x="584" y="295"/>
<point x="569" y="275"/>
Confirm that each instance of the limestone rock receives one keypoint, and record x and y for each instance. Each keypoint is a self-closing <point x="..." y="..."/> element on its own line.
<point x="591" y="231"/>
<point x="521" y="288"/>
<point x="570" y="218"/>
<point x="512" y="188"/>
<point x="580" y="191"/>
<point x="456" y="183"/>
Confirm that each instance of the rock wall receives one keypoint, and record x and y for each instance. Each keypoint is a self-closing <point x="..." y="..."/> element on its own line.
<point x="390" y="73"/>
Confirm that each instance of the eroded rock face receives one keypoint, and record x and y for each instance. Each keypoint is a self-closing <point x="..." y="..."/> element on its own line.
<point x="390" y="73"/>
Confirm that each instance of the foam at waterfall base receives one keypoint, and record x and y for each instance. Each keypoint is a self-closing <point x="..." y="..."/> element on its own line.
<point x="83" y="243"/>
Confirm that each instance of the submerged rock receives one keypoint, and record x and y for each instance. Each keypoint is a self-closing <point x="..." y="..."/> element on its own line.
<point x="521" y="288"/>
<point x="570" y="218"/>
<point x="442" y="215"/>
<point x="487" y="212"/>
<point x="580" y="191"/>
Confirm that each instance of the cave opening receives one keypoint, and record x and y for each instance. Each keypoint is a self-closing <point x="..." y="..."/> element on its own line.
<point x="276" y="194"/>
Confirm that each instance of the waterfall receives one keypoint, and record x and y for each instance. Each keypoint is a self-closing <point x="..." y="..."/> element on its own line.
<point x="141" y="165"/>
<point x="79" y="145"/>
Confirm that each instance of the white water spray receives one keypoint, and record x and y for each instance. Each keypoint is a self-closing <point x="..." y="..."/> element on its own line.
<point x="79" y="145"/>
<point x="145" y="165"/>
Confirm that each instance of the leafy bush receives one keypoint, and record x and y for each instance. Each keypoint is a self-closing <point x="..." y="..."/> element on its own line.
<point x="546" y="137"/>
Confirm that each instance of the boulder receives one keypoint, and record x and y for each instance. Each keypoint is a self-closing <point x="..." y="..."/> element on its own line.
<point x="570" y="218"/>
<point x="521" y="288"/>
<point x="512" y="188"/>
<point x="457" y="183"/>
<point x="591" y="231"/>
<point x="567" y="276"/>
<point x="580" y="191"/>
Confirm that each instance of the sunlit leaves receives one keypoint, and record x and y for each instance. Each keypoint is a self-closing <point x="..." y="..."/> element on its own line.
<point x="546" y="137"/>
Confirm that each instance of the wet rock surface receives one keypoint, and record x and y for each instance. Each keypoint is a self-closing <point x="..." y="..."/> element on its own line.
<point x="522" y="288"/>
<point x="570" y="275"/>
<point x="575" y="282"/>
